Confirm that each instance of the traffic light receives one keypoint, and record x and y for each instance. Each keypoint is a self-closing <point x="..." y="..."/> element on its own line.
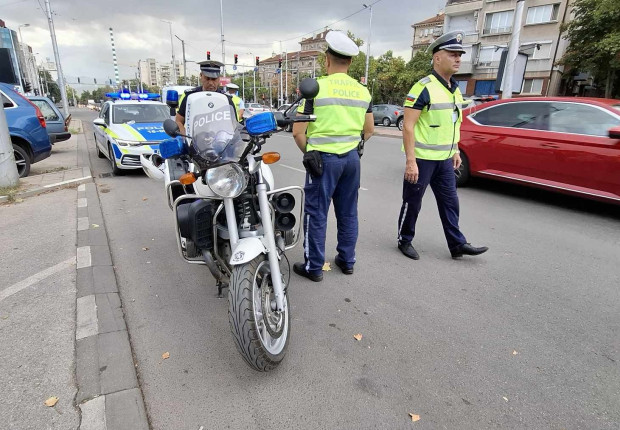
<point x="256" y="61"/>
<point x="95" y="79"/>
<point x="280" y="63"/>
<point x="236" y="58"/>
<point x="208" y="55"/>
<point x="27" y="87"/>
<point x="78" y="80"/>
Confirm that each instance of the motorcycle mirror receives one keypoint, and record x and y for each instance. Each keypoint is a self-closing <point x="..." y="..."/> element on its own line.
<point x="171" y="128"/>
<point x="309" y="88"/>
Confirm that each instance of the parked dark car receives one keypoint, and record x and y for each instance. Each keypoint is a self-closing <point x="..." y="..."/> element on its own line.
<point x="563" y="144"/>
<point x="388" y="115"/>
<point x="26" y="122"/>
<point x="57" y="124"/>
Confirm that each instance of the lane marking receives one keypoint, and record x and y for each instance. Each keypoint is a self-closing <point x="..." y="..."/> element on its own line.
<point x="82" y="202"/>
<point x="87" y="323"/>
<point x="84" y="258"/>
<point x="70" y="181"/>
<point x="37" y="277"/>
<point x="93" y="414"/>
<point x="82" y="223"/>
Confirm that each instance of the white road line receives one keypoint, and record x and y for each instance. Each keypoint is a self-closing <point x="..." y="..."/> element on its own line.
<point x="82" y="202"/>
<point x="82" y="223"/>
<point x="93" y="414"/>
<point x="15" y="288"/>
<point x="87" y="323"/>
<point x="83" y="257"/>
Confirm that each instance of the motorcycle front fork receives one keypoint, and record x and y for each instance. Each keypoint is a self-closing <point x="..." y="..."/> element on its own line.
<point x="269" y="237"/>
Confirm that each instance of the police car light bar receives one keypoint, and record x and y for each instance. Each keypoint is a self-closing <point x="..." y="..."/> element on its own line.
<point x="133" y="96"/>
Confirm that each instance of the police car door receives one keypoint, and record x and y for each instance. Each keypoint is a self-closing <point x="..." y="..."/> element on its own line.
<point x="100" y="134"/>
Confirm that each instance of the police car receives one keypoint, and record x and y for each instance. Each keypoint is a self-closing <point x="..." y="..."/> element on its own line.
<point x="129" y="125"/>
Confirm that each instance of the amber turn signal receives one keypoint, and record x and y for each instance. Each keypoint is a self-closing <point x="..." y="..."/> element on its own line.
<point x="271" y="157"/>
<point x="187" y="178"/>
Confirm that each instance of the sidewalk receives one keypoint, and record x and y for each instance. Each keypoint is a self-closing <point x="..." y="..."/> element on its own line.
<point x="62" y="329"/>
<point x="388" y="132"/>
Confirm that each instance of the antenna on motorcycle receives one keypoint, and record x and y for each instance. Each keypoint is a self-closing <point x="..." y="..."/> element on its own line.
<point x="308" y="89"/>
<point x="172" y="128"/>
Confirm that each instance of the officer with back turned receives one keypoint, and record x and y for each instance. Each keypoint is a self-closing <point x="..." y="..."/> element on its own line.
<point x="431" y="132"/>
<point x="330" y="145"/>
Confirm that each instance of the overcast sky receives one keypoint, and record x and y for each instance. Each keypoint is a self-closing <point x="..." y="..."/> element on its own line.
<point x="255" y="29"/>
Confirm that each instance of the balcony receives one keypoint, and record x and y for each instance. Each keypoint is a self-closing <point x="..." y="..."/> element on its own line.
<point x="496" y="30"/>
<point x="459" y="7"/>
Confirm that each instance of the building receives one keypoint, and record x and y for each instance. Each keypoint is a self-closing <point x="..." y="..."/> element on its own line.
<point x="157" y="74"/>
<point x="488" y="29"/>
<point x="13" y="65"/>
<point x="425" y="32"/>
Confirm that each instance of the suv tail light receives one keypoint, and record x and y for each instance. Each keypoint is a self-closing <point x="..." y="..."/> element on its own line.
<point x="396" y="112"/>
<point x="37" y="111"/>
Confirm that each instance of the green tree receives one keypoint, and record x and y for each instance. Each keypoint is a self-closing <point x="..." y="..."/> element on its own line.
<point x="53" y="91"/>
<point x="85" y="96"/>
<point x="594" y="37"/>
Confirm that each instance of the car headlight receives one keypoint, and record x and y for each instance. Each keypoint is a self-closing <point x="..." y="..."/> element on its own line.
<point x="227" y="180"/>
<point x="122" y="142"/>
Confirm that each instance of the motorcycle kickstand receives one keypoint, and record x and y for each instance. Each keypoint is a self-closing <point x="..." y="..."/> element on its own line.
<point x="220" y="286"/>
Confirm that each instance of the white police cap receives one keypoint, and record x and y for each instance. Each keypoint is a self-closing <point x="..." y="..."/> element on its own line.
<point x="339" y="44"/>
<point x="232" y="86"/>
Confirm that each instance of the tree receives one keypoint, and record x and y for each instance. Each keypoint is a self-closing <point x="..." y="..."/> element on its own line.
<point x="594" y="37"/>
<point x="52" y="87"/>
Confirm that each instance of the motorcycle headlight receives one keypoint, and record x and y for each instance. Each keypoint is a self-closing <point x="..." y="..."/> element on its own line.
<point x="227" y="180"/>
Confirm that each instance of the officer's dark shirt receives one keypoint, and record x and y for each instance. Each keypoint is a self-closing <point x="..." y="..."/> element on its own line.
<point x="424" y="99"/>
<point x="183" y="106"/>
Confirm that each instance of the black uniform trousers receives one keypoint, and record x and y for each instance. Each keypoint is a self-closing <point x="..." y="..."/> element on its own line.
<point x="440" y="176"/>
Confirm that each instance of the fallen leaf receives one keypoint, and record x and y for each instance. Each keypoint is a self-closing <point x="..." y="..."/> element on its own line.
<point x="165" y="355"/>
<point x="4" y="317"/>
<point x="514" y="352"/>
<point x="327" y="267"/>
<point x="505" y="398"/>
<point x="144" y="199"/>
<point x="95" y="225"/>
<point x="414" y="417"/>
<point x="358" y="336"/>
<point x="145" y="249"/>
<point x="51" y="401"/>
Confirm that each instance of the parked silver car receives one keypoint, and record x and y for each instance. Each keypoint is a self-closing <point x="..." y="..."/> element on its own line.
<point x="57" y="125"/>
<point x="387" y="115"/>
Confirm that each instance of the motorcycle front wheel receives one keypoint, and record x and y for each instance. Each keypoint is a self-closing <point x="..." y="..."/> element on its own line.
<point x="261" y="334"/>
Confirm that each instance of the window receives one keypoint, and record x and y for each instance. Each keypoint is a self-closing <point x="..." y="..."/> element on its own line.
<point x="462" y="86"/>
<point x="498" y="22"/>
<point x="542" y="14"/>
<point x="46" y="110"/>
<point x="544" y="53"/>
<point x="6" y="102"/>
<point x="580" y="118"/>
<point x="489" y="55"/>
<point x="531" y="115"/>
<point x="532" y="86"/>
<point x="140" y="113"/>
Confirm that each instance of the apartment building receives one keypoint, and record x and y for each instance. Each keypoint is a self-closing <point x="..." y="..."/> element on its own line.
<point x="153" y="73"/>
<point x="488" y="29"/>
<point x="425" y="32"/>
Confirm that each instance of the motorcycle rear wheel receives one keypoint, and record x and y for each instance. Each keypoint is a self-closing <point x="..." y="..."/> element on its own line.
<point x="261" y="335"/>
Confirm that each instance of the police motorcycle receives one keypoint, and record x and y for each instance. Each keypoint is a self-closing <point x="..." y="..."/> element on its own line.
<point x="230" y="217"/>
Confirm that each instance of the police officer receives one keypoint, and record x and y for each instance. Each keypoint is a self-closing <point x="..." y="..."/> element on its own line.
<point x="231" y="90"/>
<point x="209" y="81"/>
<point x="343" y="116"/>
<point x="431" y="132"/>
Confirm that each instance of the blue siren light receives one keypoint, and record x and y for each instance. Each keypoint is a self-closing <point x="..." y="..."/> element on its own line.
<point x="174" y="147"/>
<point x="261" y="123"/>
<point x="132" y="96"/>
<point x="172" y="96"/>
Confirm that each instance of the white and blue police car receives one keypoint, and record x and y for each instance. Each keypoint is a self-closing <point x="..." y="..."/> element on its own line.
<point x="129" y="125"/>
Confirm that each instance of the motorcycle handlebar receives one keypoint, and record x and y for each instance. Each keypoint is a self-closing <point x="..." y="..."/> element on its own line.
<point x="283" y="121"/>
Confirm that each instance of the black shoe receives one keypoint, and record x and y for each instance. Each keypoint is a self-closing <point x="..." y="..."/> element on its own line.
<point x="467" y="249"/>
<point x="346" y="270"/>
<point x="300" y="269"/>
<point x="409" y="251"/>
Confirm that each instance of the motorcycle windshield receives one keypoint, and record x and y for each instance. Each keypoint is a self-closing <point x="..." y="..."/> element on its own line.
<point x="216" y="137"/>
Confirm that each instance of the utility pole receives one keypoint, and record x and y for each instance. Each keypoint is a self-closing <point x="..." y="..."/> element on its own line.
<point x="8" y="169"/>
<point x="222" y="35"/>
<point x="140" y="76"/>
<point x="117" y="80"/>
<point x="285" y="94"/>
<point x="184" y="62"/>
<point x="254" y="76"/>
<point x="174" y="69"/>
<point x="513" y="52"/>
<point x="368" y="46"/>
<point x="61" y="78"/>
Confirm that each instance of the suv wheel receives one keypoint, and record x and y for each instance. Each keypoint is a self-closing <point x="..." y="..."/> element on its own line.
<point x="386" y="122"/>
<point x="400" y="122"/>
<point x="22" y="160"/>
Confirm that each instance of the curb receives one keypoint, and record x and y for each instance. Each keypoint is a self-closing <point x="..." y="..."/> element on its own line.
<point x="387" y="135"/>
<point x="53" y="187"/>
<point x="108" y="393"/>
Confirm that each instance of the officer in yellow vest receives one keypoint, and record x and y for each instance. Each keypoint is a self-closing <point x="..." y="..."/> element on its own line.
<point x="231" y="91"/>
<point x="431" y="133"/>
<point x="343" y="112"/>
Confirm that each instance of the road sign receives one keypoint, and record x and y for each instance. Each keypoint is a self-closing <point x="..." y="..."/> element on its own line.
<point x="256" y="69"/>
<point x="234" y="67"/>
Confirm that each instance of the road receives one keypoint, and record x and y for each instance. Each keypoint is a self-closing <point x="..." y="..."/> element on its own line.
<point x="525" y="336"/>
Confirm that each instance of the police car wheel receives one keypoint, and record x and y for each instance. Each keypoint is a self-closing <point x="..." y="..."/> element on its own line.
<point x="115" y="169"/>
<point x="386" y="122"/>
<point x="462" y="173"/>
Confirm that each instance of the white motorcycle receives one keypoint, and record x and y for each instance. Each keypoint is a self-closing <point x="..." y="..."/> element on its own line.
<point x="230" y="217"/>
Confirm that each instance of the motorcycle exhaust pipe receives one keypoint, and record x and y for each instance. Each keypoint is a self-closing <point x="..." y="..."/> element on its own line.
<point x="284" y="202"/>
<point x="285" y="222"/>
<point x="215" y="271"/>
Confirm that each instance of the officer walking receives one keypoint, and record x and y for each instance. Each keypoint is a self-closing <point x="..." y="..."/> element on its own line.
<point x="231" y="90"/>
<point x="343" y="112"/>
<point x="431" y="132"/>
<point x="209" y="81"/>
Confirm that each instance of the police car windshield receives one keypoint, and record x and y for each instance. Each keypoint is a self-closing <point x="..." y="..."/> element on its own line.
<point x="139" y="113"/>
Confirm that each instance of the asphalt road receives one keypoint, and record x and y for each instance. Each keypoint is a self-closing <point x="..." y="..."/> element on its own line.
<point x="525" y="336"/>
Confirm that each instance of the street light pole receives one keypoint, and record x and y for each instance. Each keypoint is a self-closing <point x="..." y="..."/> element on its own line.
<point x="184" y="62"/>
<point x="513" y="52"/>
<point x="174" y="69"/>
<point x="61" y="78"/>
<point x="222" y="35"/>
<point x="368" y="46"/>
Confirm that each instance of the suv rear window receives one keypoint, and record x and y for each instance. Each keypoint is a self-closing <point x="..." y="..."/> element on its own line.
<point x="6" y="102"/>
